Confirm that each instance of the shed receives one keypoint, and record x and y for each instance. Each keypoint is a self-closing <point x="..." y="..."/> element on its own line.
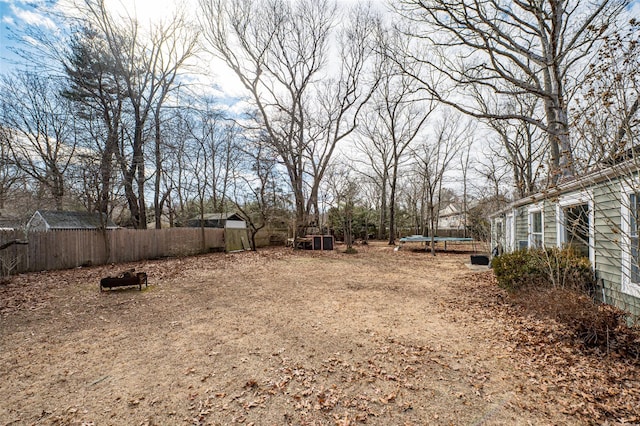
<point x="597" y="214"/>
<point x="214" y="220"/>
<point x="51" y="220"/>
<point x="236" y="237"/>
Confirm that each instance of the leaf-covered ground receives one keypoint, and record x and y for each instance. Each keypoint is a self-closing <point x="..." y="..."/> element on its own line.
<point x="281" y="337"/>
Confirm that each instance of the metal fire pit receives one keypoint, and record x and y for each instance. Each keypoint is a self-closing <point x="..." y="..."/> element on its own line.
<point x="125" y="279"/>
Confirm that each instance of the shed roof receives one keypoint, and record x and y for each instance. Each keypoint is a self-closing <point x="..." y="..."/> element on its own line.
<point x="218" y="216"/>
<point x="74" y="220"/>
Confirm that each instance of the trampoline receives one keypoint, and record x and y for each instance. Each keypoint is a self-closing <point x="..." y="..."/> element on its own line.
<point x="436" y="240"/>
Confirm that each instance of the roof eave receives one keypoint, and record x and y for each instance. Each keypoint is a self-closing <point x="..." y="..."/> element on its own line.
<point x="579" y="183"/>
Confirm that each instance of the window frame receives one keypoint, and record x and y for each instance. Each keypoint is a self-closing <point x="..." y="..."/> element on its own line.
<point x="510" y="231"/>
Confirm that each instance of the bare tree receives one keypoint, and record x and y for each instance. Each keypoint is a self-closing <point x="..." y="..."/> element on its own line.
<point x="176" y="180"/>
<point x="512" y="48"/>
<point x="44" y="143"/>
<point x="370" y="200"/>
<point x="94" y="87"/>
<point x="175" y="42"/>
<point x="226" y="157"/>
<point x="608" y="122"/>
<point x="465" y="166"/>
<point x="377" y="155"/>
<point x="218" y="135"/>
<point x="496" y="173"/>
<point x="256" y="186"/>
<point x="281" y="53"/>
<point x="198" y="169"/>
<point x="147" y="65"/>
<point x="10" y="174"/>
<point x="345" y="193"/>
<point x="414" y="197"/>
<point x="433" y="159"/>
<point x="520" y="144"/>
<point x="180" y="175"/>
<point x="606" y="116"/>
<point x="394" y="119"/>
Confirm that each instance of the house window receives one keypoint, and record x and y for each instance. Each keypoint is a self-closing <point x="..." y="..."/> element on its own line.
<point x="535" y="229"/>
<point x="630" y="209"/>
<point x="577" y="228"/>
<point x="575" y="223"/>
<point x="499" y="231"/>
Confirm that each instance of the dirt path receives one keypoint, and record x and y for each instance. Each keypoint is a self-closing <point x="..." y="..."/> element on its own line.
<point x="266" y="338"/>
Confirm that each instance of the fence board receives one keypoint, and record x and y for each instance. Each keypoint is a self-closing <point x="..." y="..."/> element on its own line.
<point x="73" y="248"/>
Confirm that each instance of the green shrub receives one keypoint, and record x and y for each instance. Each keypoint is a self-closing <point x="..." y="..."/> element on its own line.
<point x="567" y="269"/>
<point x="519" y="269"/>
<point x="560" y="268"/>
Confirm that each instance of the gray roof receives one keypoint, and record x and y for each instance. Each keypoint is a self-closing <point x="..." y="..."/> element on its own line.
<point x="74" y="220"/>
<point x="10" y="223"/>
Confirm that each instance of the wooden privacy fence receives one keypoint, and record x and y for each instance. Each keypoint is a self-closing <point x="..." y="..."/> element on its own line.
<point x="73" y="248"/>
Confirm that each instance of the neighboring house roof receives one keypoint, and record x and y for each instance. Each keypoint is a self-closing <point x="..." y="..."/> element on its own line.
<point x="10" y="223"/>
<point x="72" y="220"/>
<point x="457" y="209"/>
<point x="450" y="210"/>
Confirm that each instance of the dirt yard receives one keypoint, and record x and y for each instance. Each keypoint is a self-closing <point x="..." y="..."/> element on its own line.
<point x="280" y="337"/>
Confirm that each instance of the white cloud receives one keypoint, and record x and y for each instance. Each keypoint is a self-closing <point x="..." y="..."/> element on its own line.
<point x="33" y="18"/>
<point x="8" y="20"/>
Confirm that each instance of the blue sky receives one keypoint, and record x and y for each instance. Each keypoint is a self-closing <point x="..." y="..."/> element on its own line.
<point x="5" y="13"/>
<point x="19" y="13"/>
<point x="16" y="14"/>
